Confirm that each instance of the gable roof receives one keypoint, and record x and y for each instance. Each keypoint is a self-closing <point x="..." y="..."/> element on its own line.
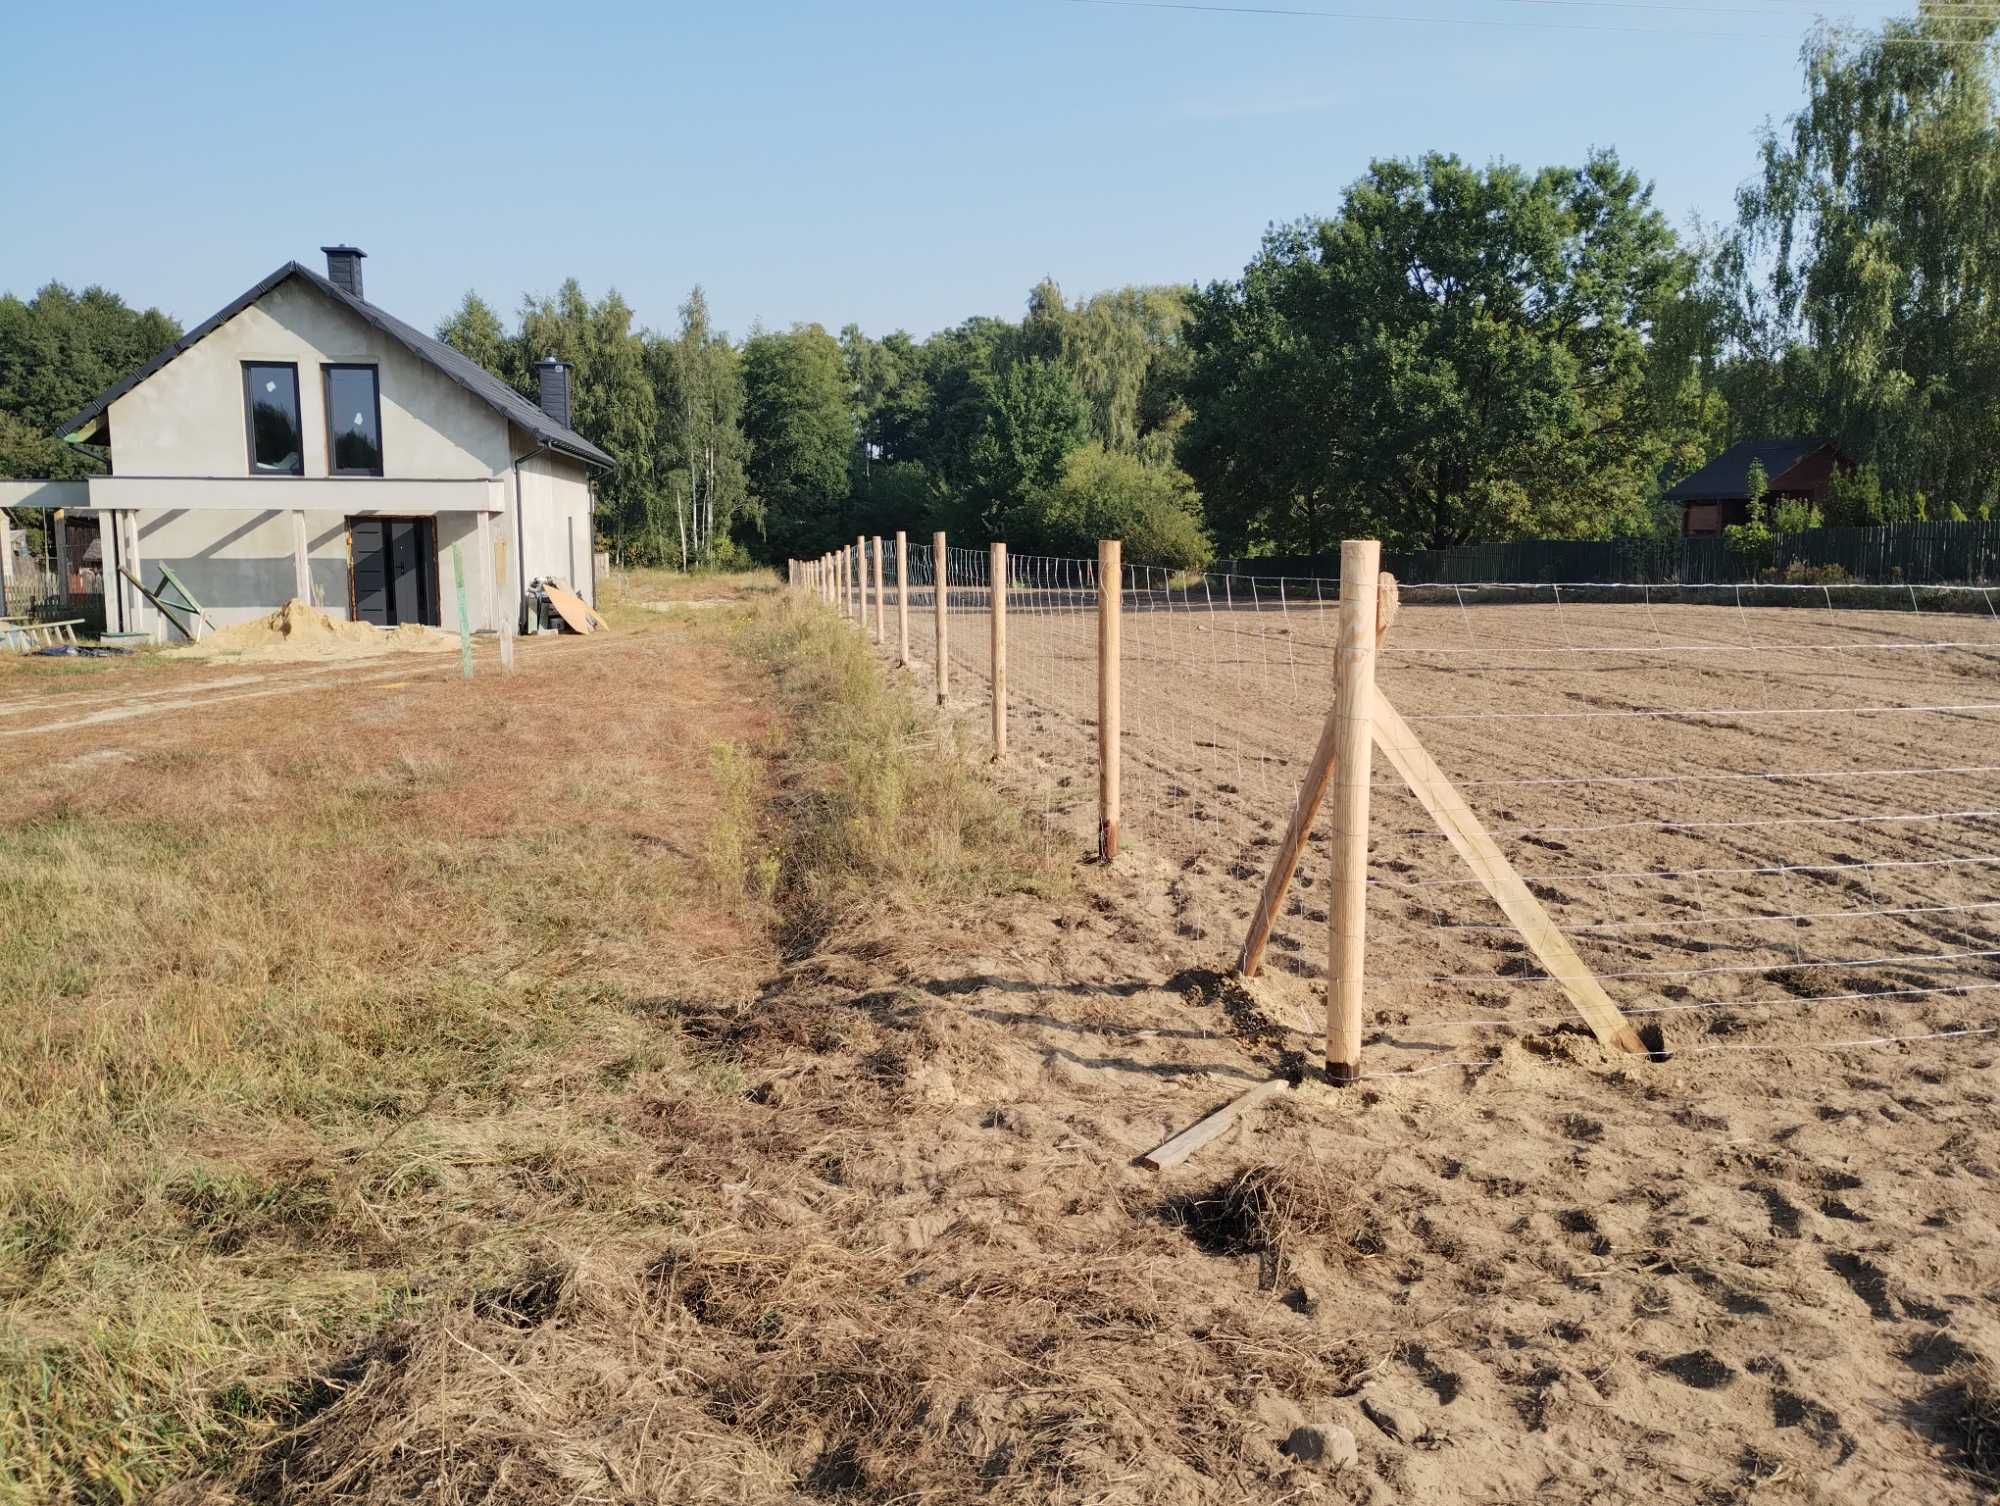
<point x="463" y="370"/>
<point x="1726" y="478"/>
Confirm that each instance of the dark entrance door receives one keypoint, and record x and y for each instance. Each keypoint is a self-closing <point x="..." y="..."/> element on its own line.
<point x="395" y="570"/>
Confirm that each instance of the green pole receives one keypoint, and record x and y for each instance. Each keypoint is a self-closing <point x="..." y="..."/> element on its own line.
<point x="464" y="622"/>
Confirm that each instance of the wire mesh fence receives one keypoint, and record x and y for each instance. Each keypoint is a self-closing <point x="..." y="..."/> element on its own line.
<point x="1768" y="818"/>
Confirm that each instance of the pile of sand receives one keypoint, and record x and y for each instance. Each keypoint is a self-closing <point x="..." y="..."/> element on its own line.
<point x="299" y="631"/>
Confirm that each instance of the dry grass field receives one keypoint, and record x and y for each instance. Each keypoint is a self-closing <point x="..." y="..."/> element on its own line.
<point x="680" y="1072"/>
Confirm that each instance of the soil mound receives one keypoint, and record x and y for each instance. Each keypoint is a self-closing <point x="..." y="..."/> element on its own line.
<point x="301" y="631"/>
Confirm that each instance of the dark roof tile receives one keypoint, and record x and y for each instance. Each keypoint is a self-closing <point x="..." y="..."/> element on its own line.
<point x="1726" y="477"/>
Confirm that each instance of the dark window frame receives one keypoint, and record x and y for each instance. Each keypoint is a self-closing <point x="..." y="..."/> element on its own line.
<point x="326" y="371"/>
<point x="250" y="420"/>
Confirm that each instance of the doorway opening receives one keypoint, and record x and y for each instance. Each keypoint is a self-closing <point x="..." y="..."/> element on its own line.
<point x="394" y="574"/>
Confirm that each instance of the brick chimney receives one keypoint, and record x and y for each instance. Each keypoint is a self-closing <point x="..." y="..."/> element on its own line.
<point x="343" y="268"/>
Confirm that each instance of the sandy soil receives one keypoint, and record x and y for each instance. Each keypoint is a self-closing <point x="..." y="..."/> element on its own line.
<point x="299" y="631"/>
<point x="1753" y="1265"/>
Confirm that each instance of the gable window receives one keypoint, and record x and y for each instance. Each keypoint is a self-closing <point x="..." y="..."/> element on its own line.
<point x="353" y="420"/>
<point x="271" y="413"/>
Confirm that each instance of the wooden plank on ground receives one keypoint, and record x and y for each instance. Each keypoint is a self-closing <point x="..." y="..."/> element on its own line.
<point x="1489" y="864"/>
<point x="571" y="608"/>
<point x="1190" y="1140"/>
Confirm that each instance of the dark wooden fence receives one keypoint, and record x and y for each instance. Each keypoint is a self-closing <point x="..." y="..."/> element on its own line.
<point x="1900" y="553"/>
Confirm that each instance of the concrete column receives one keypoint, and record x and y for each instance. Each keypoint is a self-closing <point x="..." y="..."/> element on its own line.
<point x="59" y="521"/>
<point x="301" y="561"/>
<point x="108" y="559"/>
<point x="485" y="612"/>
<point x="136" y="615"/>
<point x="6" y="562"/>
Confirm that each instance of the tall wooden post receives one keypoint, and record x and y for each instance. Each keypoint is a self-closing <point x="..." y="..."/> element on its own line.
<point x="997" y="610"/>
<point x="881" y="622"/>
<point x="941" y="591"/>
<point x="1110" y="593"/>
<point x="861" y="584"/>
<point x="902" y="598"/>
<point x="1347" y="904"/>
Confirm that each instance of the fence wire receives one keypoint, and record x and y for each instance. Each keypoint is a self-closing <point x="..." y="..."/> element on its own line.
<point x="1767" y="817"/>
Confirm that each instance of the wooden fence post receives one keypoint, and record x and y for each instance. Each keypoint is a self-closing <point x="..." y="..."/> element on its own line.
<point x="1347" y="904"/>
<point x="881" y="624"/>
<point x="1312" y="790"/>
<point x="940" y="593"/>
<point x="1110" y="593"/>
<point x="861" y="584"/>
<point x="996" y="600"/>
<point x="902" y="598"/>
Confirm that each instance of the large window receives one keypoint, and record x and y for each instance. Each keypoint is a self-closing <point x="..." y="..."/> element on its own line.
<point x="271" y="411"/>
<point x="353" y="421"/>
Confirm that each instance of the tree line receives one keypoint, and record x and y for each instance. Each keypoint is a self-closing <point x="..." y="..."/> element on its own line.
<point x="1458" y="352"/>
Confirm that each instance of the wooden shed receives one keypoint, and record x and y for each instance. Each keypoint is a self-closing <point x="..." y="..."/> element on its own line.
<point x="1718" y="494"/>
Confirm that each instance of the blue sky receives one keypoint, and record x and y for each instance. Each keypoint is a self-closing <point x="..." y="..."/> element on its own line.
<point x="898" y="165"/>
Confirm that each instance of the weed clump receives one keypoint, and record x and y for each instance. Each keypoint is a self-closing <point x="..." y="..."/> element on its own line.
<point x="1276" y="1211"/>
<point x="1973" y="1396"/>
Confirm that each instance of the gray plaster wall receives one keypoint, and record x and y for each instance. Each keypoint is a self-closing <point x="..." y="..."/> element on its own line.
<point x="187" y="418"/>
<point x="240" y="565"/>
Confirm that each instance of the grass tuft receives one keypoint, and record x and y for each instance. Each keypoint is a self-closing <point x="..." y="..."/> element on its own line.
<point x="879" y="809"/>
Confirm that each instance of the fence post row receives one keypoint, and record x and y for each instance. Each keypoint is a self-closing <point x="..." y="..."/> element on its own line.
<point x="940" y="592"/>
<point x="996" y="597"/>
<point x="902" y="598"/>
<point x="1110" y="594"/>
<point x="1347" y="907"/>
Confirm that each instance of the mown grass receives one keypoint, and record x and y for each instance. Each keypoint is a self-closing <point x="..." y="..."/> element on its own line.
<point x="319" y="1019"/>
<point x="304" y="1026"/>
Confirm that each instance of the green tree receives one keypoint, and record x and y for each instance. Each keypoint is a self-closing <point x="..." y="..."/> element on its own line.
<point x="1038" y="416"/>
<point x="58" y="350"/>
<point x="475" y="330"/>
<point x="1867" y="257"/>
<point x="1105" y="494"/>
<point x="612" y="399"/>
<point x="800" y="425"/>
<point x="701" y="451"/>
<point x="1123" y="350"/>
<point x="1458" y="354"/>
